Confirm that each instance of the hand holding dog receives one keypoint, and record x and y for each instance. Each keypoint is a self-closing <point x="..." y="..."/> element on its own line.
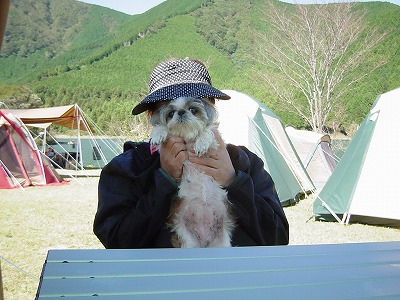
<point x="172" y="154"/>
<point x="215" y="163"/>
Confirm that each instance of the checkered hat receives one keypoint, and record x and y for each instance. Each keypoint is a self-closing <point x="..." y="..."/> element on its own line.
<point x="178" y="78"/>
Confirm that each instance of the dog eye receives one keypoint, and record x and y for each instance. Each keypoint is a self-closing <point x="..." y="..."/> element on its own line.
<point x="193" y="110"/>
<point x="170" y="114"/>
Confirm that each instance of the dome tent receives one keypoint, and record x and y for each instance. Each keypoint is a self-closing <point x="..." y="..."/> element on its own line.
<point x="246" y="121"/>
<point x="364" y="186"/>
<point x="21" y="162"/>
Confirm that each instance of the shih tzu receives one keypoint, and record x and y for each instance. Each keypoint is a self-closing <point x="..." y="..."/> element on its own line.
<point x="200" y="213"/>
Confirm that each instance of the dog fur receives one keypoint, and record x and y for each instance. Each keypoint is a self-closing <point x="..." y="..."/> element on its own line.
<point x="200" y="213"/>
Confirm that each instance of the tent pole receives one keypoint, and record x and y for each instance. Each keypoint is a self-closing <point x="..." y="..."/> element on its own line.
<point x="15" y="180"/>
<point x="44" y="138"/>
<point x="80" y="145"/>
<point x="330" y="210"/>
<point x="95" y="143"/>
<point x="75" y="178"/>
<point x="347" y="220"/>
<point x="78" y="125"/>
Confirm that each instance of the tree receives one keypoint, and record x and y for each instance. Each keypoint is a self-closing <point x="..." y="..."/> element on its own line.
<point x="315" y="54"/>
<point x="19" y="97"/>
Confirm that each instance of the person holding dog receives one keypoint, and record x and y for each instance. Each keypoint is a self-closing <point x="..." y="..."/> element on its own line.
<point x="138" y="188"/>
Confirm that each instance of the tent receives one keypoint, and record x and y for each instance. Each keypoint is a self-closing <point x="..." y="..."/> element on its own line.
<point x="314" y="150"/>
<point x="70" y="116"/>
<point x="364" y="187"/>
<point x="21" y="163"/>
<point x="246" y="121"/>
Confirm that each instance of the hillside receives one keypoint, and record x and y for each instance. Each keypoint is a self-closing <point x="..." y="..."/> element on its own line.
<point x="68" y="51"/>
<point x="41" y="35"/>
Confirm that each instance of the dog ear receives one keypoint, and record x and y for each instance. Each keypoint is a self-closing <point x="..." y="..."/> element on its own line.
<point x="211" y="111"/>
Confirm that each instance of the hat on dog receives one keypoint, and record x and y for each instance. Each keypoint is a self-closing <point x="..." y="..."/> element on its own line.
<point x="178" y="78"/>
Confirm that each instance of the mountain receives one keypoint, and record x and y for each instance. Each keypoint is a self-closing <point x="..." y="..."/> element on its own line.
<point x="66" y="51"/>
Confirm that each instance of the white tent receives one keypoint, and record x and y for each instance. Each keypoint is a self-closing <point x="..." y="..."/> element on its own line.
<point x="314" y="150"/>
<point x="365" y="184"/>
<point x="247" y="122"/>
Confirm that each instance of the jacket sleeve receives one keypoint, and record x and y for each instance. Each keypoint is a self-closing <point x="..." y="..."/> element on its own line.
<point x="132" y="208"/>
<point x="256" y="204"/>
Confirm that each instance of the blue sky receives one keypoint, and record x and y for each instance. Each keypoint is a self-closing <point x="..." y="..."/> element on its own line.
<point x="130" y="7"/>
<point x="322" y="1"/>
<point x="133" y="7"/>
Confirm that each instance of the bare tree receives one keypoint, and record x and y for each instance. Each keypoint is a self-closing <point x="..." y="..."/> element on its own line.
<point x="314" y="54"/>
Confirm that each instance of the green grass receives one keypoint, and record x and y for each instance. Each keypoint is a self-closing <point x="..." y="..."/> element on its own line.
<point x="37" y="219"/>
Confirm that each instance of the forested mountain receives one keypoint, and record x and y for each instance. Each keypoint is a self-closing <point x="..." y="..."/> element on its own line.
<point x="65" y="51"/>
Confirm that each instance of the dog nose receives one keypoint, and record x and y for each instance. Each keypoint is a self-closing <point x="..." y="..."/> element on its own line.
<point x="181" y="112"/>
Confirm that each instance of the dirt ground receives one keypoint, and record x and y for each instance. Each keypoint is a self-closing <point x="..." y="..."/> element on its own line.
<point x="36" y="219"/>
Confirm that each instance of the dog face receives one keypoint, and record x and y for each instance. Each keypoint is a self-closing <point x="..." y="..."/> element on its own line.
<point x="185" y="116"/>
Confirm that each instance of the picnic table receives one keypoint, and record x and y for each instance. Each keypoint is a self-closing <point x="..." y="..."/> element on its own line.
<point x="337" y="271"/>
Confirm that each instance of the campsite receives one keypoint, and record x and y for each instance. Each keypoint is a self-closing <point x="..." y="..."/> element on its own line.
<point x="66" y="222"/>
<point x="70" y="73"/>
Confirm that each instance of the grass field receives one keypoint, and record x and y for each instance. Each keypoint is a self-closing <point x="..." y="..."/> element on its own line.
<point x="37" y="219"/>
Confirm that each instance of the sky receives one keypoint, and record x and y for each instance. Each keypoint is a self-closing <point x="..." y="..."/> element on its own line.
<point x="133" y="7"/>
<point x="322" y="1"/>
<point x="130" y="7"/>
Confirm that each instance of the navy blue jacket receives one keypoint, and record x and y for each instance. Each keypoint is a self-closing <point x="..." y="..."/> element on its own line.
<point x="134" y="200"/>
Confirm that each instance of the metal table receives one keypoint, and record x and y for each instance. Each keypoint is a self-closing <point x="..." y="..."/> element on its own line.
<point x="339" y="271"/>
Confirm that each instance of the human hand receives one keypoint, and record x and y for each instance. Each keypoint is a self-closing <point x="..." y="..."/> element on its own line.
<point x="172" y="154"/>
<point x="215" y="163"/>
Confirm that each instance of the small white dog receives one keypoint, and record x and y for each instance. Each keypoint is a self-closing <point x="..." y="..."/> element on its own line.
<point x="200" y="213"/>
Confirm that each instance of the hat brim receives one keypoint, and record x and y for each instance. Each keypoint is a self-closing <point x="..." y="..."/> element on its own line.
<point x="196" y="90"/>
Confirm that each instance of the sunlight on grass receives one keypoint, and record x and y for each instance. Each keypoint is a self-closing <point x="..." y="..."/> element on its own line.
<point x="37" y="219"/>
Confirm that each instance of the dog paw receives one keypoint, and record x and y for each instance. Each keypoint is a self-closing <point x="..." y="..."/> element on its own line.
<point x="200" y="148"/>
<point x="158" y="136"/>
<point x="204" y="142"/>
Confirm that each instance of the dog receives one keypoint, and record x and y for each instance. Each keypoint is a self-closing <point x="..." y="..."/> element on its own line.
<point x="200" y="214"/>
